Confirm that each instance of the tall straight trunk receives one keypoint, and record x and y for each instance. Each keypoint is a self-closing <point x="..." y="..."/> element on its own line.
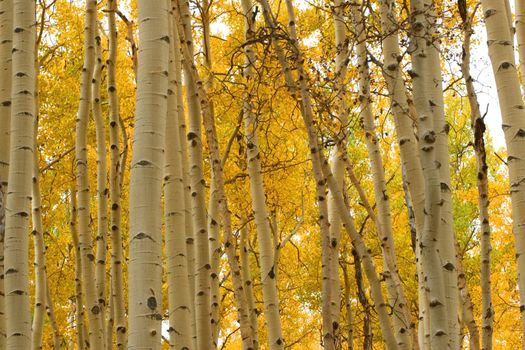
<point x="434" y="279"/>
<point x="145" y="241"/>
<point x="176" y="261"/>
<point x="115" y="179"/>
<point x="479" y="128"/>
<point x="321" y="170"/>
<point x="499" y="40"/>
<point x="338" y="160"/>
<point x="520" y="34"/>
<point x="6" y="32"/>
<point x="368" y="334"/>
<point x="82" y="341"/>
<point x="188" y="224"/>
<point x="213" y="204"/>
<point x="38" y="238"/>
<point x="396" y="295"/>
<point x="102" y="190"/>
<point x="198" y="201"/>
<point x="447" y="238"/>
<point x="18" y="201"/>
<point x="96" y="332"/>
<point x="248" y="283"/>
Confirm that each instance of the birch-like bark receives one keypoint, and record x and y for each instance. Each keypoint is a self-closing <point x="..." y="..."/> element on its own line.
<point x="176" y="261"/>
<point x="520" y="35"/>
<point x="198" y="201"/>
<point x="479" y="128"/>
<point x="248" y="283"/>
<point x="338" y="159"/>
<point x="38" y="243"/>
<point x="115" y="179"/>
<point x="434" y="279"/>
<point x="499" y="40"/>
<point x="363" y="300"/>
<point x="102" y="190"/>
<point x="348" y="308"/>
<point x="50" y="310"/>
<point x="82" y="341"/>
<point x="145" y="241"/>
<point x="6" y="32"/>
<point x="96" y="332"/>
<point x="396" y="295"/>
<point x="322" y="172"/>
<point x="18" y="201"/>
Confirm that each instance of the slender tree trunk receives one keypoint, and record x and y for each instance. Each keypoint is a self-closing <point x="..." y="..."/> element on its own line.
<point x="102" y="190"/>
<point x="512" y="109"/>
<point x="363" y="300"/>
<point x="50" y="310"/>
<point x="6" y="32"/>
<point x="248" y="283"/>
<point x="322" y="172"/>
<point x="145" y="241"/>
<point x="82" y="341"/>
<point x="397" y="300"/>
<point x="115" y="178"/>
<point x="96" y="332"/>
<point x="202" y="258"/>
<point x="348" y="307"/>
<point x="478" y="127"/>
<point x="38" y="239"/>
<point x="176" y="261"/>
<point x="18" y="201"/>
<point x="338" y="158"/>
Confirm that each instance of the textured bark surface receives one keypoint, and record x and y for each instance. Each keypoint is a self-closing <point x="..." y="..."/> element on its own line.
<point x="145" y="241"/>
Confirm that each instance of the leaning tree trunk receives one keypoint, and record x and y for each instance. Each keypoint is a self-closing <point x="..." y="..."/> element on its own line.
<point x="499" y="40"/>
<point x="478" y="126"/>
<point x="321" y="170"/>
<point x="115" y="179"/>
<point x="6" y="32"/>
<point x="397" y="300"/>
<point x="145" y="241"/>
<point x="18" y="201"/>
<point x="248" y="282"/>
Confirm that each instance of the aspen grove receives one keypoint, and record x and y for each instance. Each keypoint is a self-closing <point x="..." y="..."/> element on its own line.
<point x="262" y="174"/>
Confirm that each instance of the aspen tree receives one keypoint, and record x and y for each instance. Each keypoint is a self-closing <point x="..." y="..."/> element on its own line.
<point x="50" y="310"/>
<point x="408" y="144"/>
<point x="479" y="127"/>
<point x="181" y="118"/>
<point x="145" y="241"/>
<point x="6" y="32"/>
<point x="348" y="308"/>
<point x="213" y="204"/>
<point x="79" y="303"/>
<point x="38" y="237"/>
<point x="176" y="262"/>
<point x="222" y="203"/>
<point x="499" y="41"/>
<point x="338" y="158"/>
<point x="96" y="332"/>
<point x="198" y="203"/>
<point x="102" y="190"/>
<point x="18" y="201"/>
<point x="520" y="35"/>
<point x="248" y="282"/>
<point x="322" y="171"/>
<point x="115" y="179"/>
<point x="434" y="280"/>
<point x="397" y="300"/>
